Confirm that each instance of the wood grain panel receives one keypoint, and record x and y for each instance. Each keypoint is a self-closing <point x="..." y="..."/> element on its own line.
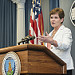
<point x="40" y="62"/>
<point x="35" y="59"/>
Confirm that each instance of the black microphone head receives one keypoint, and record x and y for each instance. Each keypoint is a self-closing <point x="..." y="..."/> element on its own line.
<point x="31" y="37"/>
<point x="27" y="37"/>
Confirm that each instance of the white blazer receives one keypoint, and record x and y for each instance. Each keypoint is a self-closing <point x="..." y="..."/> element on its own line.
<point x="64" y="40"/>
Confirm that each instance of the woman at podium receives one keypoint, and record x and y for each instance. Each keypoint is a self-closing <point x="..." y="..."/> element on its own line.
<point x="59" y="40"/>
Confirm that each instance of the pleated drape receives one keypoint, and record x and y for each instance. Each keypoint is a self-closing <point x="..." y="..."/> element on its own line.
<point x="7" y="23"/>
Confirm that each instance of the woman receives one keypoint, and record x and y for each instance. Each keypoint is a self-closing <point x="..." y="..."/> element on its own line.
<point x="60" y="38"/>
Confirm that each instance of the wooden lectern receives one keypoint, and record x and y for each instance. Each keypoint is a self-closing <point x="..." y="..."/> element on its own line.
<point x="35" y="60"/>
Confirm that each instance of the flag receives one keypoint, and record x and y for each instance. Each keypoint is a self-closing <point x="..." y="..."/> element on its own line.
<point x="36" y="21"/>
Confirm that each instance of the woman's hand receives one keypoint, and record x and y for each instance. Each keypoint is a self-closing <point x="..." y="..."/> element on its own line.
<point x="46" y="39"/>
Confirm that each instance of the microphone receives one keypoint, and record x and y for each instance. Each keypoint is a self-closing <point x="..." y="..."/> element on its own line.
<point x="26" y="39"/>
<point x="29" y="38"/>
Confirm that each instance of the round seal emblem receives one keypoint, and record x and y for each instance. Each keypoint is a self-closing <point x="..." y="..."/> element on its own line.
<point x="72" y="13"/>
<point x="11" y="64"/>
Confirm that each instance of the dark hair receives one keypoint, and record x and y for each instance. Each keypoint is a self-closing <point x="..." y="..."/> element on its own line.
<point x="59" y="11"/>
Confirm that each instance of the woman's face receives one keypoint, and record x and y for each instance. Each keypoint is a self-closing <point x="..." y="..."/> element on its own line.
<point x="55" y="20"/>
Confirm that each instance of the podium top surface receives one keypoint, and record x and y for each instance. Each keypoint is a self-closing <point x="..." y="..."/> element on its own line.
<point x="32" y="47"/>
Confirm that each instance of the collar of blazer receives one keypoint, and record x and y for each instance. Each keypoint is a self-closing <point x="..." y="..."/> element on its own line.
<point x="59" y="30"/>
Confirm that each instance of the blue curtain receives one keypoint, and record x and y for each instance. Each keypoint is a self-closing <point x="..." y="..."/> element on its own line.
<point x="53" y="4"/>
<point x="7" y="23"/>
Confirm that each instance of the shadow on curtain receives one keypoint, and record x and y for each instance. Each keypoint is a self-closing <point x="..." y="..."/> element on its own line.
<point x="28" y="5"/>
<point x="7" y="23"/>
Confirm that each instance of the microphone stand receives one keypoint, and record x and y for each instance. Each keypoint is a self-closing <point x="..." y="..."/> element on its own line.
<point x="27" y="41"/>
<point x="24" y="40"/>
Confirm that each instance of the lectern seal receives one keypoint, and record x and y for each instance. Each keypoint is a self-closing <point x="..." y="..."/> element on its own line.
<point x="11" y="64"/>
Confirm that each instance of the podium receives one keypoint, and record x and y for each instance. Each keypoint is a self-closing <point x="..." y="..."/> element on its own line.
<point x="35" y="60"/>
